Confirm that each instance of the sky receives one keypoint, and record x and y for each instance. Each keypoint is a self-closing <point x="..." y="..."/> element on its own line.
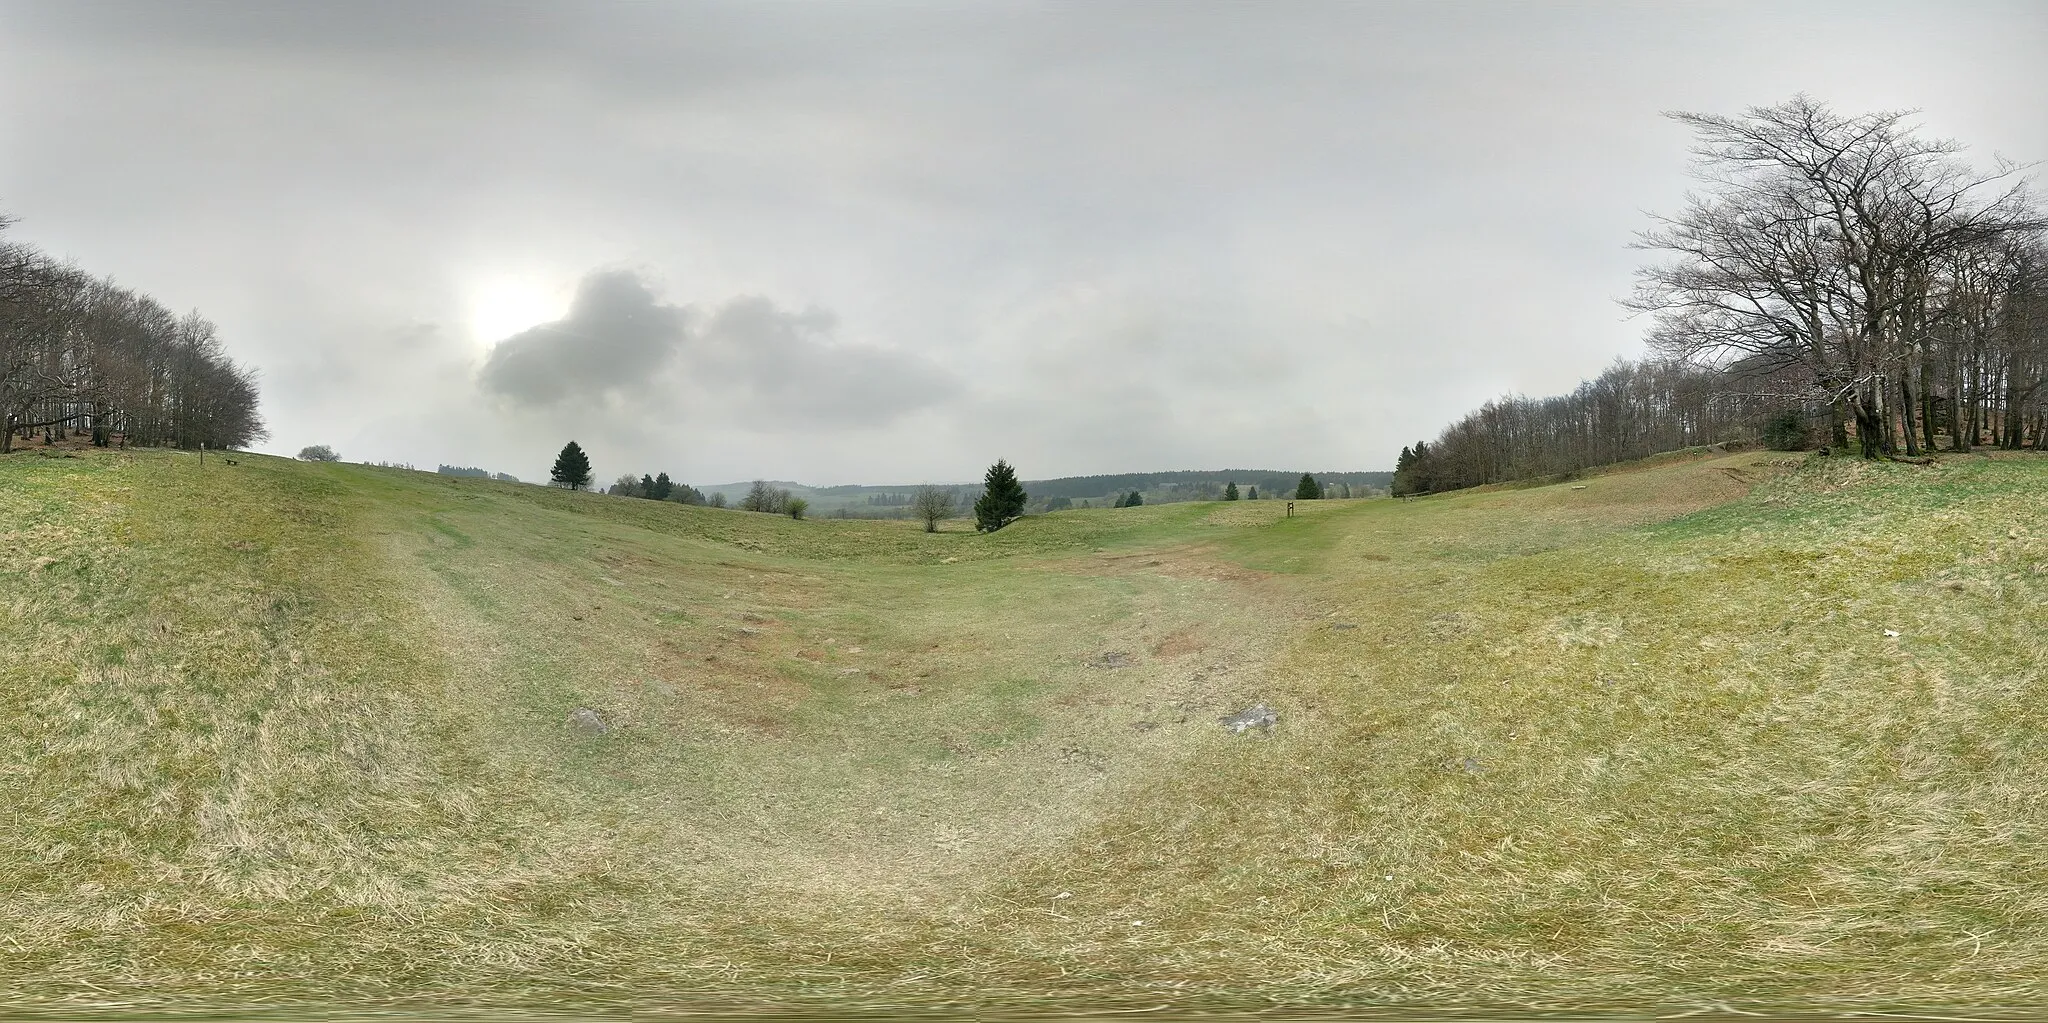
<point x="892" y="242"/>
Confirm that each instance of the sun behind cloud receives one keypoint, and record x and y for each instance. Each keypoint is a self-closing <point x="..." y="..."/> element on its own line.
<point x="501" y="305"/>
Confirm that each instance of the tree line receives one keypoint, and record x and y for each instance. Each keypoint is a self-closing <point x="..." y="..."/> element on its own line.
<point x="1837" y="278"/>
<point x="80" y="354"/>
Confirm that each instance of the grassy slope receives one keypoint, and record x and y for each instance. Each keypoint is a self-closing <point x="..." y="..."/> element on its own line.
<point x="289" y="733"/>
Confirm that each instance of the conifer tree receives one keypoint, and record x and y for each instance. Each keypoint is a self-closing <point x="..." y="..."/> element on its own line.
<point x="1230" y="491"/>
<point x="1307" y="489"/>
<point x="663" y="486"/>
<point x="1002" y="499"/>
<point x="572" y="467"/>
<point x="1254" y="495"/>
<point x="647" y="486"/>
<point x="1135" y="499"/>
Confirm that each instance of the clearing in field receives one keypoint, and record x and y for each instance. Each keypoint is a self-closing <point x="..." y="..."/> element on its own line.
<point x="1748" y="731"/>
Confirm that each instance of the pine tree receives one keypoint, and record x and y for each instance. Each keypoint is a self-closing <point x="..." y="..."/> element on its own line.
<point x="663" y="486"/>
<point x="647" y="486"/>
<point x="1002" y="498"/>
<point x="1254" y="495"/>
<point x="1134" y="500"/>
<point x="1230" y="491"/>
<point x="1307" y="489"/>
<point x="572" y="467"/>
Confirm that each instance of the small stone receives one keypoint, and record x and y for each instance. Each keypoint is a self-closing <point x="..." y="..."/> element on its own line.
<point x="586" y="721"/>
<point x="1257" y="716"/>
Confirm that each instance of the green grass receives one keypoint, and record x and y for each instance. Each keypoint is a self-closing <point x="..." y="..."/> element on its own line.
<point x="294" y="737"/>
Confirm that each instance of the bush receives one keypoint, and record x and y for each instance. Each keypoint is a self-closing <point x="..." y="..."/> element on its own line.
<point x="1786" y="431"/>
<point x="318" y="453"/>
<point x="796" y="506"/>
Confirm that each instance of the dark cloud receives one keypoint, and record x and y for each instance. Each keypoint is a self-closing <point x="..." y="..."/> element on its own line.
<point x="786" y="365"/>
<point x="616" y="338"/>
<point x="749" y="359"/>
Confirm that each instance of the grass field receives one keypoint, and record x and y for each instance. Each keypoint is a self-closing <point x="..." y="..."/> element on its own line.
<point x="295" y="737"/>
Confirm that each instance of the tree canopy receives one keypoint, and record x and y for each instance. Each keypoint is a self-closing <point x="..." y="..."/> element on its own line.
<point x="572" y="467"/>
<point x="1002" y="499"/>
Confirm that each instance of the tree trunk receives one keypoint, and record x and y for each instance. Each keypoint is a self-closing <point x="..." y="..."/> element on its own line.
<point x="1906" y="413"/>
<point x="1926" y="403"/>
<point x="1870" y="425"/>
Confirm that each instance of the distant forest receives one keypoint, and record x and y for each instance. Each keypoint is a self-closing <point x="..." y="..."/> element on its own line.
<point x="81" y="354"/>
<point x="1835" y="280"/>
<point x="894" y="501"/>
<point x="1198" y="486"/>
<point x="472" y="471"/>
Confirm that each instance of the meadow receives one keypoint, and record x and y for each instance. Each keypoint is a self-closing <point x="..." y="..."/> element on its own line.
<point x="1750" y="732"/>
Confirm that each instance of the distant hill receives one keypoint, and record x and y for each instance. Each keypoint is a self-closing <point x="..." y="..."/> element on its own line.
<point x="893" y="500"/>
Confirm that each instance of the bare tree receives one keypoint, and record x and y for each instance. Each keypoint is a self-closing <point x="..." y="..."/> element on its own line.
<point x="1812" y="244"/>
<point x="80" y="353"/>
<point x="932" y="505"/>
<point x="763" y="498"/>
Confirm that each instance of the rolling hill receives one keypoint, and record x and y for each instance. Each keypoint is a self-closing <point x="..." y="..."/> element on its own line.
<point x="1755" y="731"/>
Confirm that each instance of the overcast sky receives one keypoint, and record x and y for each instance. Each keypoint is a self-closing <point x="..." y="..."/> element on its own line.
<point x="890" y="242"/>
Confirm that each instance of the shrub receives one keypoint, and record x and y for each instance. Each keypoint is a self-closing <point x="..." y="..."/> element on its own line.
<point x="796" y="506"/>
<point x="1786" y="431"/>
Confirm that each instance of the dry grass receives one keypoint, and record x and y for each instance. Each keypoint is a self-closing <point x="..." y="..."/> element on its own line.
<point x="294" y="736"/>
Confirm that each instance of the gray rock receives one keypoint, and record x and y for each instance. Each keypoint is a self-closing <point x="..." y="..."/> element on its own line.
<point x="1257" y="716"/>
<point x="585" y="721"/>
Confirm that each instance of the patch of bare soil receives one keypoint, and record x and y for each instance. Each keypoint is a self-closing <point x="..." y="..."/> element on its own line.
<point x="1197" y="563"/>
<point x="1179" y="644"/>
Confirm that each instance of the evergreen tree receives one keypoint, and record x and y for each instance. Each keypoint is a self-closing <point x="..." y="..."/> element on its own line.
<point x="1230" y="491"/>
<point x="572" y="467"/>
<point x="1002" y="498"/>
<point x="647" y="486"/>
<point x="663" y="486"/>
<point x="1254" y="495"/>
<point x="1308" y="489"/>
<point x="1134" y="500"/>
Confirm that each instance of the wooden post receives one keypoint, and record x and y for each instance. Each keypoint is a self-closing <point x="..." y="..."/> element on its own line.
<point x="1290" y="509"/>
